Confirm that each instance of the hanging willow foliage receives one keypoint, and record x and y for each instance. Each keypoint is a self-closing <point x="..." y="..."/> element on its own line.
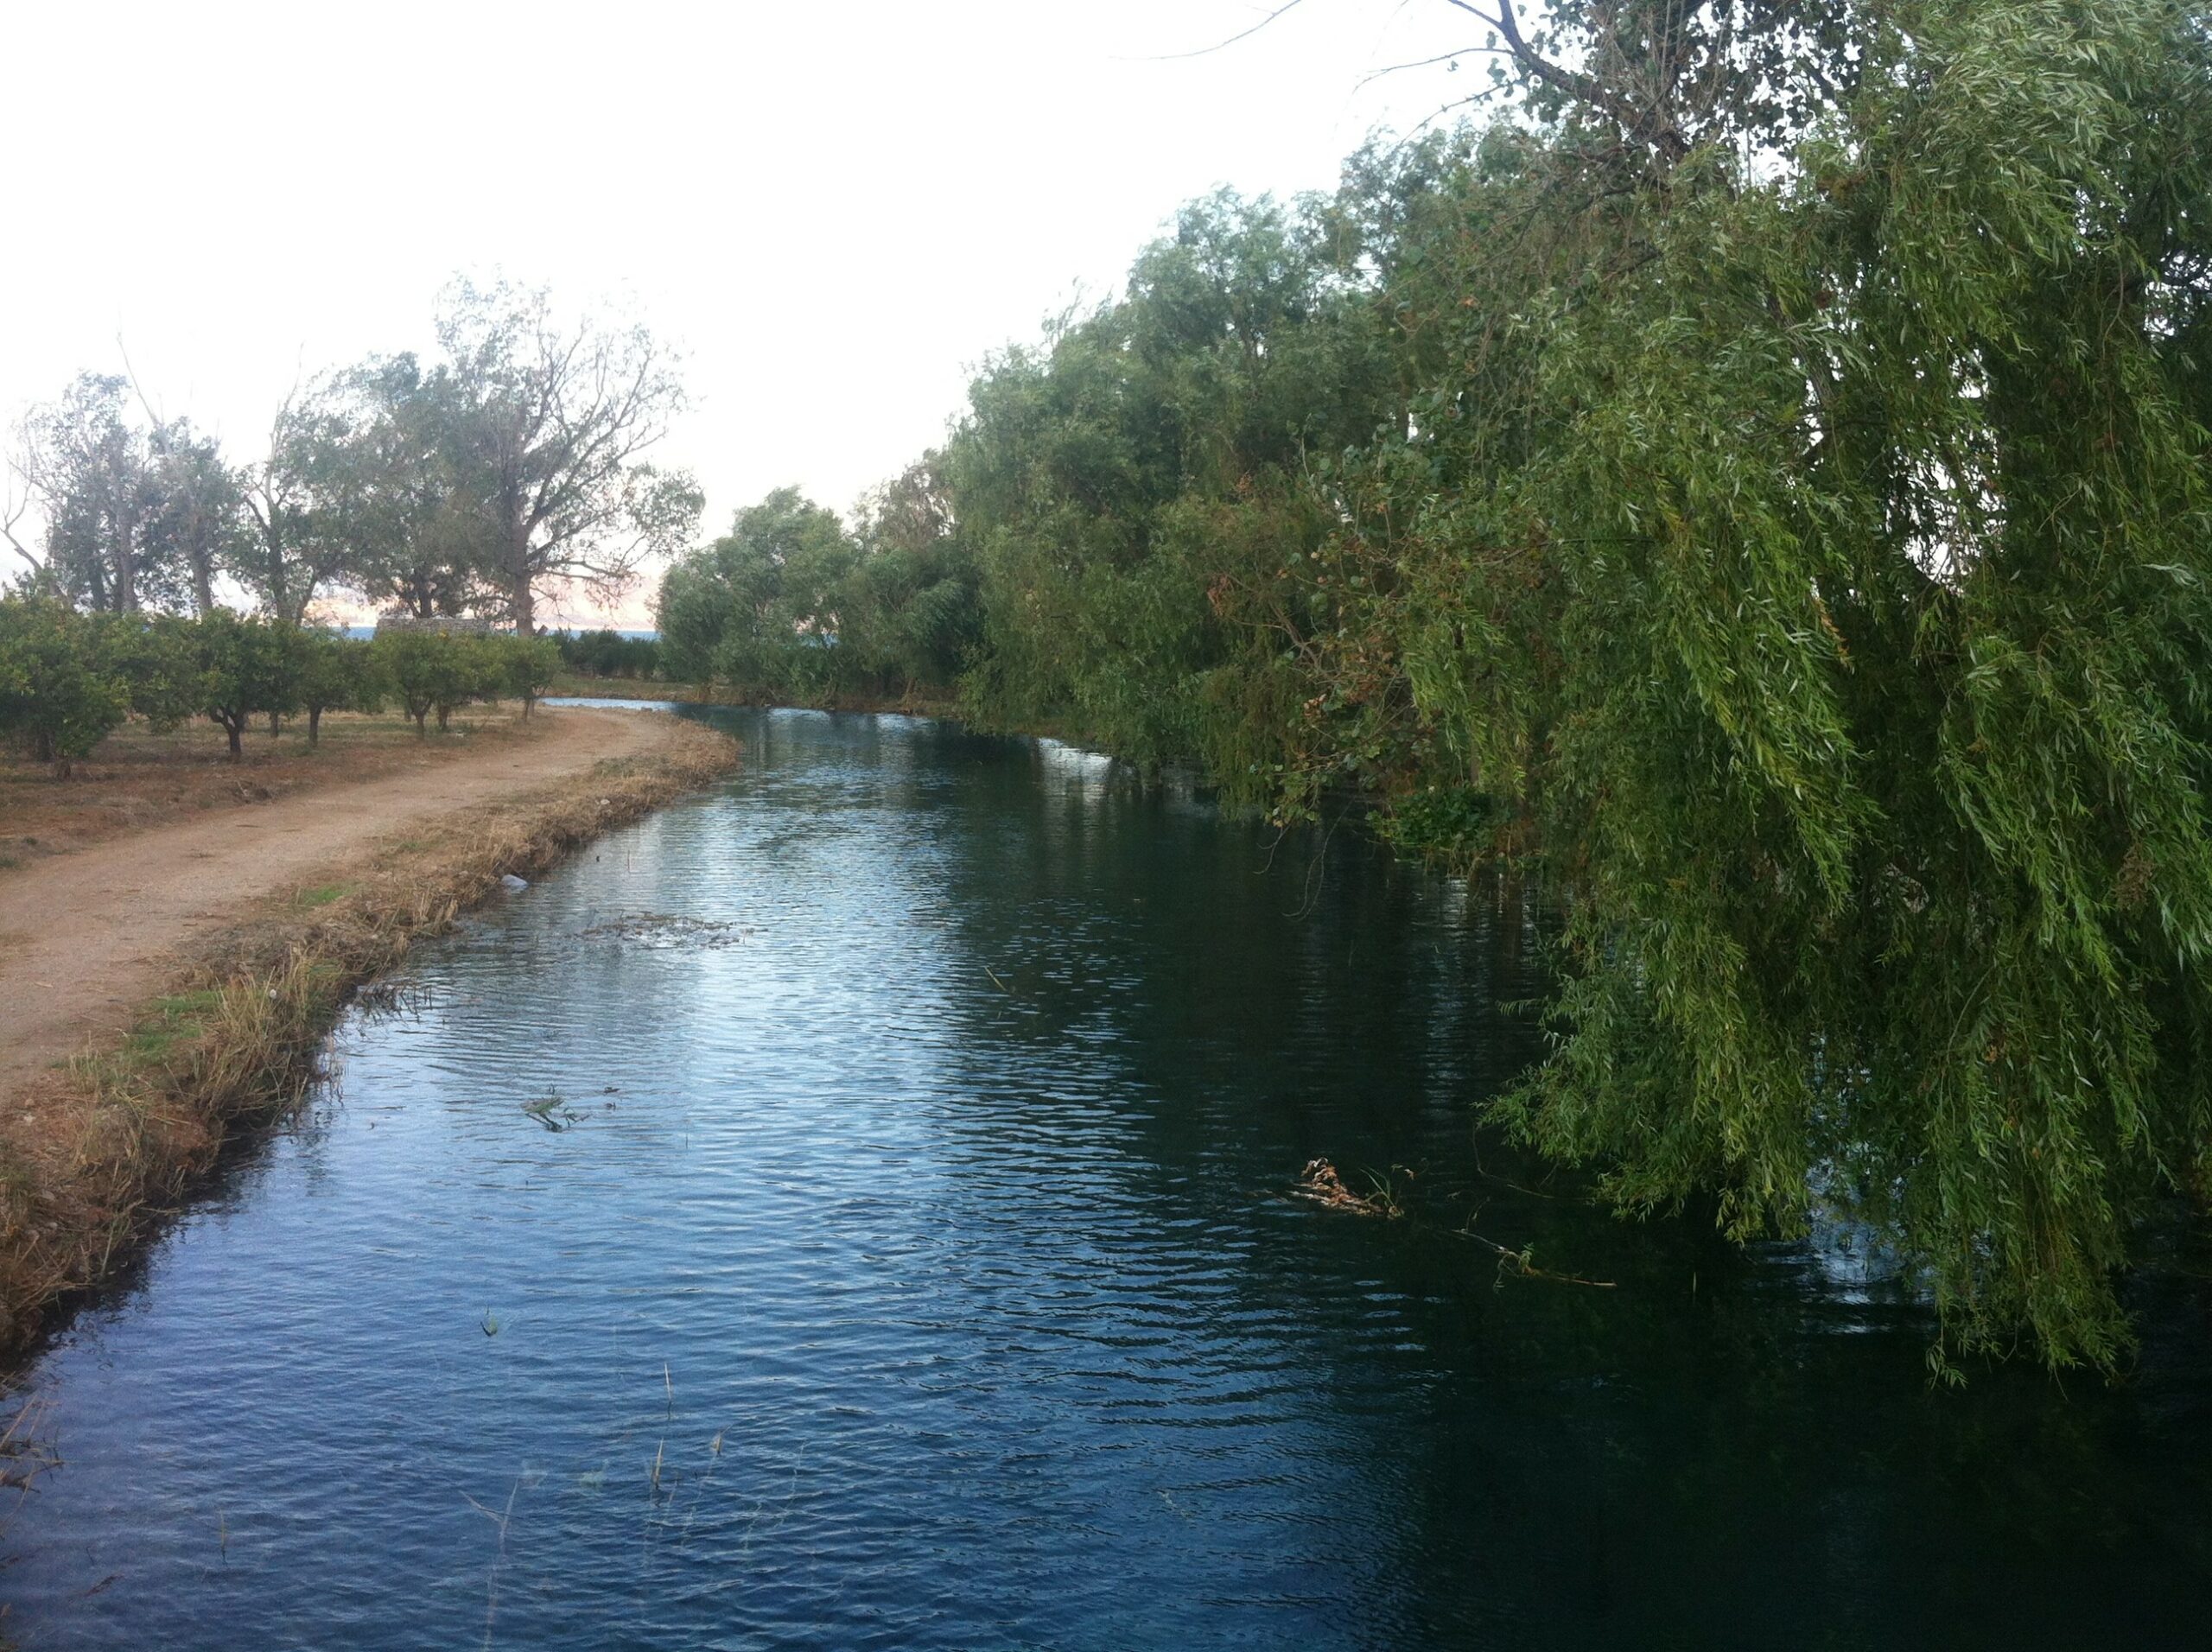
<point x="1763" y="480"/>
<point x="1816" y="568"/>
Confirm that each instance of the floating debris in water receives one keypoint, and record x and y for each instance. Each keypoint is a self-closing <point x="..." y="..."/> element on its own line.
<point x="1319" y="1182"/>
<point x="668" y="930"/>
<point x="552" y="1110"/>
<point x="1522" y="1264"/>
<point x="513" y="885"/>
<point x="491" y="1327"/>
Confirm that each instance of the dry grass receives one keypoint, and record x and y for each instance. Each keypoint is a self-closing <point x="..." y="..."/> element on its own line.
<point x="139" y="778"/>
<point x="92" y="1159"/>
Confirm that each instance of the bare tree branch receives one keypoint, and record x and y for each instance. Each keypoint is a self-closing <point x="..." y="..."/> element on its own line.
<point x="1223" y="45"/>
<point x="1650" y="123"/>
<point x="1373" y="75"/>
<point x="13" y="507"/>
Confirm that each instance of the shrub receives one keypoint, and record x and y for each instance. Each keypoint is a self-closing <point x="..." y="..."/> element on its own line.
<point x="336" y="674"/>
<point x="433" y="671"/>
<point x="522" y="666"/>
<point x="247" y="666"/>
<point x="60" y="692"/>
<point x="606" y="652"/>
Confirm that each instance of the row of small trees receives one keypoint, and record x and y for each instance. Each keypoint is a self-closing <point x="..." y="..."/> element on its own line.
<point x="69" y="679"/>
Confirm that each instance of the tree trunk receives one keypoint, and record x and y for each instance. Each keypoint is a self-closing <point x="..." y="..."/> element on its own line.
<point x="518" y="582"/>
<point x="421" y="733"/>
<point x="42" y="751"/>
<point x="315" y="724"/>
<point x="234" y="730"/>
<point x="126" y="582"/>
<point x="277" y="582"/>
<point x="126" y="562"/>
<point x="275" y="725"/>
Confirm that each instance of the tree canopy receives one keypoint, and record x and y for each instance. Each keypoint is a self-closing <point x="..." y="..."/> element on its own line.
<point x="1758" y="482"/>
<point x="513" y="463"/>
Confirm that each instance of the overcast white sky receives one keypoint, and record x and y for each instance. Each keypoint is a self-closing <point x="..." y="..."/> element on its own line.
<point x="837" y="209"/>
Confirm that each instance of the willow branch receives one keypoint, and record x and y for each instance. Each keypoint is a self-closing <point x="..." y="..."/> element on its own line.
<point x="1583" y="88"/>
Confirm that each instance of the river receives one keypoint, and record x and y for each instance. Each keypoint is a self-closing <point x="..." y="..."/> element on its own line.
<point x="855" y="1209"/>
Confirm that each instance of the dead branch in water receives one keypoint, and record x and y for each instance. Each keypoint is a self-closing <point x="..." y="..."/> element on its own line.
<point x="1521" y="1263"/>
<point x="1320" y="1183"/>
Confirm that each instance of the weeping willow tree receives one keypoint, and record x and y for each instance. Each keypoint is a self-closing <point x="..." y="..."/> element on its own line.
<point x="1807" y="560"/>
<point x="1761" y="480"/>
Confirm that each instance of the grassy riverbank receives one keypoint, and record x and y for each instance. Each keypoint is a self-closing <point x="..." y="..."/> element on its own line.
<point x="92" y="1156"/>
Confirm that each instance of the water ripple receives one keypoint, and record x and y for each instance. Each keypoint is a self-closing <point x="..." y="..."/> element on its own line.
<point x="851" y="1211"/>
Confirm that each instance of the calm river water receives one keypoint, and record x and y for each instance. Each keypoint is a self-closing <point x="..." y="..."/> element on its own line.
<point x="908" y="1262"/>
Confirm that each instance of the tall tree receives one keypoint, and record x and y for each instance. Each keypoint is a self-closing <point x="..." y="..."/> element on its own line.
<point x="140" y="512"/>
<point x="1763" y="482"/>
<point x="550" y="422"/>
<point x="356" y="489"/>
<point x="194" y="523"/>
<point x="92" y="471"/>
<point x="15" y="499"/>
<point x="298" y="545"/>
<point x="758" y="606"/>
<point x="1807" y="560"/>
<point x="1661" y="79"/>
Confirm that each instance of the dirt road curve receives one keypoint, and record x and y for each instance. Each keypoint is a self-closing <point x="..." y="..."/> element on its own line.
<point x="87" y="937"/>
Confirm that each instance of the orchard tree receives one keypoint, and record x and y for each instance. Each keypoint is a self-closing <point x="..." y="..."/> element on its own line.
<point x="524" y="666"/>
<point x="333" y="673"/>
<point x="60" y="693"/>
<point x="248" y="665"/>
<point x="431" y="671"/>
<point x="549" y="423"/>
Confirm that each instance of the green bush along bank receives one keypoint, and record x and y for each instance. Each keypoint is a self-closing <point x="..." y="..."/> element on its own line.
<point x="1759" y="479"/>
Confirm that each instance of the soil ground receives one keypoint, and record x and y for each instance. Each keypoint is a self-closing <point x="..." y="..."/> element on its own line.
<point x="107" y="880"/>
<point x="139" y="778"/>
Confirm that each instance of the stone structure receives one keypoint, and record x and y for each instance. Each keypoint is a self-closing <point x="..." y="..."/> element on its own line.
<point x="446" y="625"/>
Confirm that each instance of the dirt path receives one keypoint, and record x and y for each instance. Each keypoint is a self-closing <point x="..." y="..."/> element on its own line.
<point x="87" y="939"/>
